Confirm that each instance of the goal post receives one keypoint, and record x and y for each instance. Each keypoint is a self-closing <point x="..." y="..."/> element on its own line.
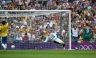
<point x="28" y="13"/>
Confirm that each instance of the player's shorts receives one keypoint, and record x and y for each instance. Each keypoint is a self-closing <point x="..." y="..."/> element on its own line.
<point x="4" y="39"/>
<point x="86" y="37"/>
<point x="58" y="40"/>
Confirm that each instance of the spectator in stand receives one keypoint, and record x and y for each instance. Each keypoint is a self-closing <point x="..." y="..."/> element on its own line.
<point x="19" y="38"/>
<point x="75" y="33"/>
<point x="25" y="37"/>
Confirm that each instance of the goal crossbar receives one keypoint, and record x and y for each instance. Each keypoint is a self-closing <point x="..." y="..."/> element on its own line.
<point x="24" y="13"/>
<point x="35" y="10"/>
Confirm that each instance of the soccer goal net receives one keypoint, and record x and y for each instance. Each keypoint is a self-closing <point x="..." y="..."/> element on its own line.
<point x="35" y="22"/>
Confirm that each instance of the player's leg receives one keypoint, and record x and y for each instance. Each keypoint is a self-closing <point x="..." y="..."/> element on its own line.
<point x="59" y="41"/>
<point x="79" y="43"/>
<point x="86" y="38"/>
<point x="89" y="38"/>
<point x="4" y="43"/>
<point x="92" y="41"/>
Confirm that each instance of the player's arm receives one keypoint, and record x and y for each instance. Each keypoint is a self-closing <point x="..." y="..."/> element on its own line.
<point x="46" y="40"/>
<point x="82" y="32"/>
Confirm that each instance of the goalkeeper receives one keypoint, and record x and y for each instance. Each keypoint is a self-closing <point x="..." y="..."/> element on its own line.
<point x="53" y="37"/>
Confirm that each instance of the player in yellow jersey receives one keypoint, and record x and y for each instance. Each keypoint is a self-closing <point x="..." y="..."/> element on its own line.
<point x="4" y="33"/>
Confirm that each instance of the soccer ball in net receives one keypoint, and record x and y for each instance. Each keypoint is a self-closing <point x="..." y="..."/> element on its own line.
<point x="12" y="46"/>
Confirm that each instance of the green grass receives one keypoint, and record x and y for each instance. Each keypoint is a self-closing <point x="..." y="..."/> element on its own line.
<point x="48" y="54"/>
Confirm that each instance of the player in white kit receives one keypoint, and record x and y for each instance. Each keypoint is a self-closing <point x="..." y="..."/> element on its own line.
<point x="53" y="37"/>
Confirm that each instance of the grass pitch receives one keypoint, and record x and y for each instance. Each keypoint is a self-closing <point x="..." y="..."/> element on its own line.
<point x="48" y="54"/>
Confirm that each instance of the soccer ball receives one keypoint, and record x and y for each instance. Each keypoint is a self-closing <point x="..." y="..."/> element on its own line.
<point x="12" y="46"/>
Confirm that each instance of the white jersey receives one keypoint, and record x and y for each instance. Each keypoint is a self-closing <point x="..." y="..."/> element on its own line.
<point x="53" y="37"/>
<point x="75" y="32"/>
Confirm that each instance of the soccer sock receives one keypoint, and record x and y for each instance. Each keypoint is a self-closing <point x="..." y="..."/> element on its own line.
<point x="3" y="45"/>
<point x="78" y="45"/>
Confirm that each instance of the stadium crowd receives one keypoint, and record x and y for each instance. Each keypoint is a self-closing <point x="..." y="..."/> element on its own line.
<point x="36" y="28"/>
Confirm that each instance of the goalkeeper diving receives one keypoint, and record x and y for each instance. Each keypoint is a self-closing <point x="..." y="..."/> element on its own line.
<point x="53" y="37"/>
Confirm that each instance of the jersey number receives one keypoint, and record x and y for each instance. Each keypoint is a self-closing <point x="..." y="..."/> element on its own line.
<point x="87" y="30"/>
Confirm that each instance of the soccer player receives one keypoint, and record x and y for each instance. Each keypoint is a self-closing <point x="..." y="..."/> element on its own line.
<point x="53" y="37"/>
<point x="87" y="31"/>
<point x="4" y="33"/>
<point x="86" y="34"/>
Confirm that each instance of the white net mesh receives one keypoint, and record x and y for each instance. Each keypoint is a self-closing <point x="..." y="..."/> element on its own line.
<point x="40" y="20"/>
